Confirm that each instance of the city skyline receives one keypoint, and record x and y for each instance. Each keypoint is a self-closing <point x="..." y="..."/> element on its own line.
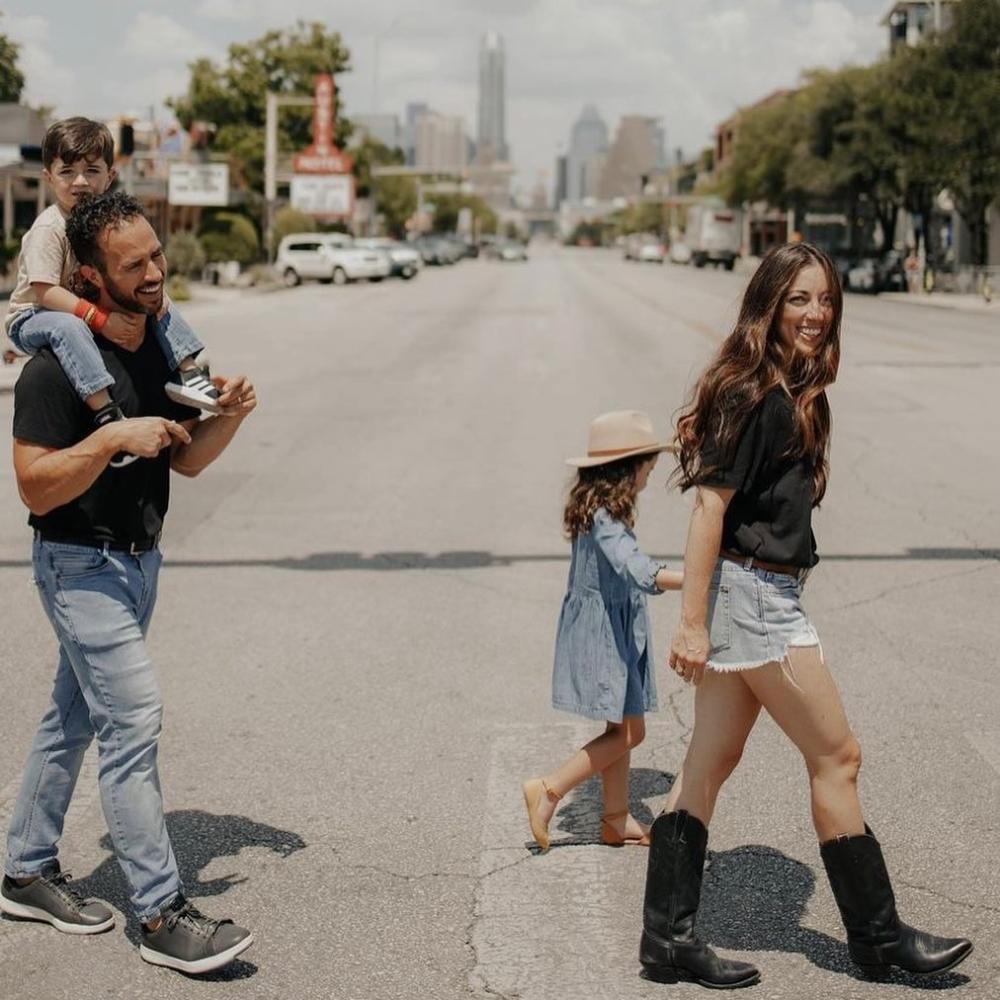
<point x="690" y="68"/>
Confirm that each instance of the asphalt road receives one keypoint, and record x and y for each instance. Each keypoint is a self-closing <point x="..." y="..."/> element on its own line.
<point x="354" y="640"/>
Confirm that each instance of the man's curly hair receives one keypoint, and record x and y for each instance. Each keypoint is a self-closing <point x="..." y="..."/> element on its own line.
<point x="92" y="216"/>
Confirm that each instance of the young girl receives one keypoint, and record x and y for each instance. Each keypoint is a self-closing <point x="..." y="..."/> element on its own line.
<point x="603" y="663"/>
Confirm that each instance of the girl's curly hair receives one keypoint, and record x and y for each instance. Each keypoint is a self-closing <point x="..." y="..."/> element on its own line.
<point x="611" y="486"/>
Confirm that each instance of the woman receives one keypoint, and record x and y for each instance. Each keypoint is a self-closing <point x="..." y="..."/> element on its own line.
<point x="754" y="442"/>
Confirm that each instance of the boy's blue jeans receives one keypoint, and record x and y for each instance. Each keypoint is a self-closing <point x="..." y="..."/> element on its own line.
<point x="73" y="345"/>
<point x="100" y="603"/>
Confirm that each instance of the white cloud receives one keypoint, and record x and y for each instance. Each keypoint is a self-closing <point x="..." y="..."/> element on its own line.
<point x="159" y="38"/>
<point x="225" y="10"/>
<point x="46" y="79"/>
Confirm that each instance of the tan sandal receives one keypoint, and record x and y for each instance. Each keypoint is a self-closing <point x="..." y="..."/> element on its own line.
<point x="533" y="790"/>
<point x="612" y="838"/>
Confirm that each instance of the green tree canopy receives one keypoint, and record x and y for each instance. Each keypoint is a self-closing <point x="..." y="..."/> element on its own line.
<point x="233" y="95"/>
<point x="395" y="198"/>
<point x="228" y="236"/>
<point x="11" y="77"/>
<point x="447" y="207"/>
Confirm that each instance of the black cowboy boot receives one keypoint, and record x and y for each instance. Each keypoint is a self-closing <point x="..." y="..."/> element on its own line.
<point x="669" y="950"/>
<point x="876" y="937"/>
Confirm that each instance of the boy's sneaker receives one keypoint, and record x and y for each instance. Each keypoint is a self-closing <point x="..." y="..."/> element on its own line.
<point x="190" y="942"/>
<point x="192" y="387"/>
<point x="52" y="899"/>
<point x="108" y="415"/>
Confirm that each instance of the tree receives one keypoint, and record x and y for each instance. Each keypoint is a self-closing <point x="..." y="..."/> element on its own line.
<point x="233" y="95"/>
<point x="965" y="76"/>
<point x="185" y="254"/>
<point x="447" y="207"/>
<point x="11" y="77"/>
<point x="394" y="198"/>
<point x="228" y="236"/>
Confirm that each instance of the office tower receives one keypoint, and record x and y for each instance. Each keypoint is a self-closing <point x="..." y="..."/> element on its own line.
<point x="491" y="136"/>
<point x="636" y="153"/>
<point x="588" y="139"/>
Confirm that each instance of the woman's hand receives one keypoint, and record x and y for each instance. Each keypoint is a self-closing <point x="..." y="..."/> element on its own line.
<point x="689" y="652"/>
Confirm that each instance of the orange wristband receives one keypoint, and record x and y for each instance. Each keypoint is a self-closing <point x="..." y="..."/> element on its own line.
<point x="98" y="320"/>
<point x="81" y="309"/>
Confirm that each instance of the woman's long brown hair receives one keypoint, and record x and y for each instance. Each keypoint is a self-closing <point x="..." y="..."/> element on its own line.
<point x="753" y="360"/>
<point x="611" y="486"/>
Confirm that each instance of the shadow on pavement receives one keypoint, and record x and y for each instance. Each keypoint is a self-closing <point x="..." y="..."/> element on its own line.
<point x="332" y="562"/>
<point x="754" y="897"/>
<point x="198" y="839"/>
<point x="481" y="559"/>
<point x="580" y="814"/>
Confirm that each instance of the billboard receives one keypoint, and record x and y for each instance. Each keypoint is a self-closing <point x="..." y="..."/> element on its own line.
<point x="323" y="194"/>
<point x="204" y="184"/>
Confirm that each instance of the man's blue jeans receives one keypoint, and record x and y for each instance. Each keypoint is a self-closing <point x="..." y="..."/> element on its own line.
<point x="70" y="339"/>
<point x="100" y="603"/>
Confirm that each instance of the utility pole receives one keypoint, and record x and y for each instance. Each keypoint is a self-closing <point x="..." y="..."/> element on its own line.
<point x="274" y="102"/>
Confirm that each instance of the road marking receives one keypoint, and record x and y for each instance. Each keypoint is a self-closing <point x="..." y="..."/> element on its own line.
<point x="565" y="923"/>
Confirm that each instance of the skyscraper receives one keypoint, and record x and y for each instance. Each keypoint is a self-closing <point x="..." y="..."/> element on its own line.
<point x="491" y="135"/>
<point x="588" y="140"/>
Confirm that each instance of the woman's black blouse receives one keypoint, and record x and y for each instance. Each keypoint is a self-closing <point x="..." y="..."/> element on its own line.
<point x="770" y="515"/>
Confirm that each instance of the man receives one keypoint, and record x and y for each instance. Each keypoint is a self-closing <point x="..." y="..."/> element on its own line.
<point x="96" y="562"/>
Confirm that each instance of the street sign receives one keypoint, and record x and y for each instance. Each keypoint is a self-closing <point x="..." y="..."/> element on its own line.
<point x="204" y="184"/>
<point x="323" y="194"/>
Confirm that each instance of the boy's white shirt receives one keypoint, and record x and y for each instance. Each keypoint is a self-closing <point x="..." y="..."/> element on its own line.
<point x="45" y="256"/>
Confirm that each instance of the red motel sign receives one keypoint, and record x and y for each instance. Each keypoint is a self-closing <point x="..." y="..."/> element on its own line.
<point x="322" y="157"/>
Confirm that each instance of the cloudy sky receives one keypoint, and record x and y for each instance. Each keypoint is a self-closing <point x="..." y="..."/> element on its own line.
<point x="691" y="62"/>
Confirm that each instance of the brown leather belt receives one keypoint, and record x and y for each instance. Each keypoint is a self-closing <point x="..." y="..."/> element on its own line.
<point x="760" y="563"/>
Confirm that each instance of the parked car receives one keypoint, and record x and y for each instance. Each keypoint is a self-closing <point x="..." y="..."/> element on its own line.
<point x="404" y="261"/>
<point x="877" y="274"/>
<point x="680" y="252"/>
<point x="508" y="250"/>
<point x="435" y="249"/>
<point x="644" y="247"/>
<point x="328" y="257"/>
<point x="652" y="251"/>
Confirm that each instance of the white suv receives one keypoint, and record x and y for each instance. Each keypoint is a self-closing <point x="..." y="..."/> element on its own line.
<point x="328" y="257"/>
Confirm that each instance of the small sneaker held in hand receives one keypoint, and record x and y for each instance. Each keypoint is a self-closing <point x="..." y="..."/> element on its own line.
<point x="186" y="940"/>
<point x="108" y="415"/>
<point x="51" y="898"/>
<point x="192" y="387"/>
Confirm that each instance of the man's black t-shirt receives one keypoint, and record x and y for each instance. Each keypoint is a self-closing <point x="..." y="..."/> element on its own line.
<point x="770" y="515"/>
<point x="125" y="505"/>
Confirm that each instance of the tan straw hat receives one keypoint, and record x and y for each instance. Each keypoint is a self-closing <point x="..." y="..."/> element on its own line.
<point x="620" y="434"/>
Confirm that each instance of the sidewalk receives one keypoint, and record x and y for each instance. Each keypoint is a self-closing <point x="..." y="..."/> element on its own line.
<point x="945" y="300"/>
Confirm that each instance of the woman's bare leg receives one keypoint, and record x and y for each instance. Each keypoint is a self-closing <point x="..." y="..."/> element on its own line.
<point x="725" y="710"/>
<point x="617" y="739"/>
<point x="802" y="698"/>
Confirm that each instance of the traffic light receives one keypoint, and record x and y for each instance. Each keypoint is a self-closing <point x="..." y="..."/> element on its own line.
<point x="126" y="139"/>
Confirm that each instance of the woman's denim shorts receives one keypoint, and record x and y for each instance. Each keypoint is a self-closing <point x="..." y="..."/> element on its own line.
<point x="754" y="615"/>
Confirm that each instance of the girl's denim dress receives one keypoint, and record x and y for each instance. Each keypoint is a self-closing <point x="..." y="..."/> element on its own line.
<point x="603" y="635"/>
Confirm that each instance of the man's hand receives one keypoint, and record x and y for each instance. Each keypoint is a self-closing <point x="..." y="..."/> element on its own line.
<point x="689" y="652"/>
<point x="237" y="396"/>
<point x="145" y="436"/>
<point x="125" y="329"/>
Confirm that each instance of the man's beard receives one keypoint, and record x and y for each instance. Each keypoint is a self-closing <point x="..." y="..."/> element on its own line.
<point x="128" y="303"/>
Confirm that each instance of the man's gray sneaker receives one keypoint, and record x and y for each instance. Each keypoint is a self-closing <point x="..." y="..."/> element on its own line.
<point x="51" y="898"/>
<point x="190" y="942"/>
<point x="192" y="387"/>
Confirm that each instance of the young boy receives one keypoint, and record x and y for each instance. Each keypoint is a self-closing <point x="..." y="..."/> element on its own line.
<point x="78" y="162"/>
